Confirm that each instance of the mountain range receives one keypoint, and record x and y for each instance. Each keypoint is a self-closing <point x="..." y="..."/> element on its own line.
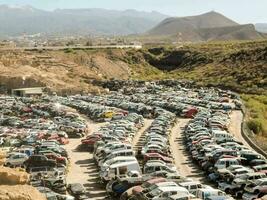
<point x="19" y="20"/>
<point x="262" y="27"/>
<point x="16" y="21"/>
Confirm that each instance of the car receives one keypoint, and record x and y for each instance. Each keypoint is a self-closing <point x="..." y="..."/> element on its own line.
<point x="78" y="191"/>
<point x="211" y="194"/>
<point x="165" y="192"/>
<point x="256" y="187"/>
<point x="17" y="159"/>
<point x="157" y="156"/>
<point x="39" y="161"/>
<point x="241" y="181"/>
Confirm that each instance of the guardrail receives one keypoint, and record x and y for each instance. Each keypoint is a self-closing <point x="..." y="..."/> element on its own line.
<point x="247" y="134"/>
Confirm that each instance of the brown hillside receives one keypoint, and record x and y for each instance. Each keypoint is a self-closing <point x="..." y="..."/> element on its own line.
<point x="240" y="66"/>
<point x="59" y="71"/>
<point x="206" y="27"/>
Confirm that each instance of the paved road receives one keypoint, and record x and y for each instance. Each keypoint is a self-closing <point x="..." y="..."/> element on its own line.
<point x="181" y="158"/>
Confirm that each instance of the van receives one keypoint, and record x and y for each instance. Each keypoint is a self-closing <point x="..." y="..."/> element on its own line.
<point x="226" y="162"/>
<point x="115" y="160"/>
<point x="210" y="194"/>
<point x="108" y="148"/>
<point x="221" y="136"/>
<point x="120" y="169"/>
<point x="150" y="167"/>
<point x="124" y="152"/>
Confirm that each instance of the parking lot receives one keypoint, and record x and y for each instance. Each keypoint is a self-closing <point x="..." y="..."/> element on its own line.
<point x="150" y="141"/>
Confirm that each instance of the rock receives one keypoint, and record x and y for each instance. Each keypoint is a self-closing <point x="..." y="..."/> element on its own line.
<point x="20" y="192"/>
<point x="10" y="176"/>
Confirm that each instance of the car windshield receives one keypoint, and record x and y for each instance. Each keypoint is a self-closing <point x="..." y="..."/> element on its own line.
<point x="152" y="187"/>
<point x="145" y="185"/>
<point x="155" y="192"/>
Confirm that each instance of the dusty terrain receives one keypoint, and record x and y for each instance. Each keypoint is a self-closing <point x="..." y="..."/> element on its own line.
<point x="181" y="158"/>
<point x="58" y="70"/>
<point x="13" y="186"/>
<point x="235" y="126"/>
<point x="238" y="66"/>
<point x="20" y="192"/>
<point x="82" y="167"/>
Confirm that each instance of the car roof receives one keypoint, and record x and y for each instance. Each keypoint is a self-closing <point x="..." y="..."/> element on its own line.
<point x="189" y="183"/>
<point x="172" y="188"/>
<point x="123" y="164"/>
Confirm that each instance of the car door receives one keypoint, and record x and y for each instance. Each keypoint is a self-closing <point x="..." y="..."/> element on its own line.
<point x="21" y="159"/>
<point x="15" y="160"/>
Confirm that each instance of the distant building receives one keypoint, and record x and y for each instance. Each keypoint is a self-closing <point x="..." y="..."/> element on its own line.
<point x="27" y="92"/>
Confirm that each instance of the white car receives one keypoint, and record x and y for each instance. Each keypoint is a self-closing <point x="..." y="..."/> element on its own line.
<point x="165" y="192"/>
<point x="16" y="159"/>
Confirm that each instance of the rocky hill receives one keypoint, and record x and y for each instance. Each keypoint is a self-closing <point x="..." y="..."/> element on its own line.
<point x="205" y="27"/>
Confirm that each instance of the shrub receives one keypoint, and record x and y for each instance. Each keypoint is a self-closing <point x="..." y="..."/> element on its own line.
<point x="69" y="50"/>
<point x="255" y="126"/>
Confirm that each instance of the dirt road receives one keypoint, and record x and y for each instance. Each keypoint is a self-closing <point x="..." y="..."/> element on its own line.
<point x="147" y="124"/>
<point x="181" y="158"/>
<point x="235" y="126"/>
<point x="83" y="169"/>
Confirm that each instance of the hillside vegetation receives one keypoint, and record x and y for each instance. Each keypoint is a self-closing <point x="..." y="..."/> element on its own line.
<point x="239" y="66"/>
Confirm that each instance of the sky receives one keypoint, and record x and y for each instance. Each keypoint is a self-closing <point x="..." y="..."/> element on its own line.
<point x="242" y="11"/>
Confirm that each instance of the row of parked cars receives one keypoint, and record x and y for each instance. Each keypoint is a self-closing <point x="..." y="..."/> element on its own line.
<point x="153" y="175"/>
<point x="33" y="134"/>
<point x="235" y="168"/>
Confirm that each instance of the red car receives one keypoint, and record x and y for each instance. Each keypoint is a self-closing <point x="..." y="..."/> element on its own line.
<point x="91" y="140"/>
<point x="56" y="157"/>
<point x="157" y="156"/>
<point x="147" y="184"/>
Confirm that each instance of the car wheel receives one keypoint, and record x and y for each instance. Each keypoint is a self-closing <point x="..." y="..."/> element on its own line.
<point x="227" y="190"/>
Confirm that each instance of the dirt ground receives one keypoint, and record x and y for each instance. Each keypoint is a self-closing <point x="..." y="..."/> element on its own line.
<point x="83" y="169"/>
<point x="181" y="158"/>
<point x="147" y="124"/>
<point x="235" y="126"/>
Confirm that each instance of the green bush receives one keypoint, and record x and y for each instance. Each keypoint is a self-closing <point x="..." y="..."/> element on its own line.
<point x="69" y="50"/>
<point x="255" y="126"/>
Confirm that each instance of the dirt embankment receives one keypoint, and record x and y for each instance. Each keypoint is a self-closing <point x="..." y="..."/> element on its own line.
<point x="13" y="184"/>
<point x="64" y="72"/>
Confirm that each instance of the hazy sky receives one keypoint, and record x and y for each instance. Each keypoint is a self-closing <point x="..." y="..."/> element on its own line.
<point x="243" y="11"/>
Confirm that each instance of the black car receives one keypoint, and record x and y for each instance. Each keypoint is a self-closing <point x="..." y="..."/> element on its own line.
<point x="39" y="161"/>
<point x="78" y="191"/>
